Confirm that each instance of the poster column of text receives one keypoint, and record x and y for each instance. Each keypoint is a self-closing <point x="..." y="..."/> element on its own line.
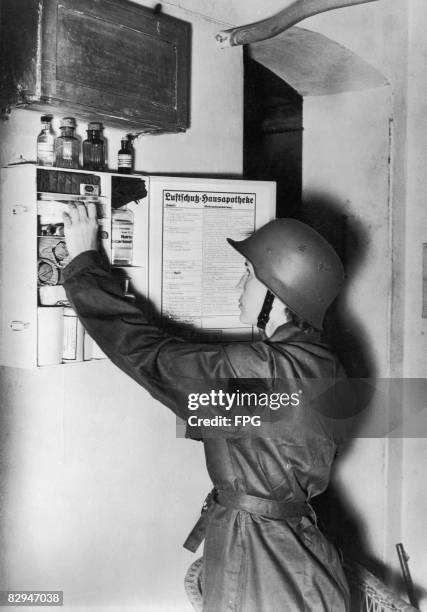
<point x="200" y="269"/>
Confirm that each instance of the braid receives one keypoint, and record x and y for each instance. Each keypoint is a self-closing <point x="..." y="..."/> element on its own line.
<point x="299" y="322"/>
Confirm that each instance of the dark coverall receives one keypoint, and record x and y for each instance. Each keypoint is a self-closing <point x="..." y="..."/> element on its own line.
<point x="252" y="562"/>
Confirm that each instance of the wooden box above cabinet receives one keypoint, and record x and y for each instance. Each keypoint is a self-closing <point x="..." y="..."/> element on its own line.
<point x="111" y="60"/>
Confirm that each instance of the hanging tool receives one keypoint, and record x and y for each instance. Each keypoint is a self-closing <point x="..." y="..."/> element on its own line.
<point x="274" y="25"/>
<point x="404" y="558"/>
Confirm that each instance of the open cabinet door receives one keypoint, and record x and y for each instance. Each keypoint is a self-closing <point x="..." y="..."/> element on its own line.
<point x="18" y="213"/>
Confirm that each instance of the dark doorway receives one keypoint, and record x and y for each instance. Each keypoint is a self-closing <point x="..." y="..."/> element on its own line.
<point x="272" y="148"/>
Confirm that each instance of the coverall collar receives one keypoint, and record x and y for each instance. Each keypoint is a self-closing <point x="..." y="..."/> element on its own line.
<point x="289" y="332"/>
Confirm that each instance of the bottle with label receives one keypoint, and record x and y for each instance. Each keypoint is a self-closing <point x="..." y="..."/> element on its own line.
<point x="67" y="145"/>
<point x="46" y="143"/>
<point x="122" y="236"/>
<point x="94" y="148"/>
<point x="125" y="156"/>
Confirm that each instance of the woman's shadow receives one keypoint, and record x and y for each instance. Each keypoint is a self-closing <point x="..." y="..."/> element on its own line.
<point x="350" y="341"/>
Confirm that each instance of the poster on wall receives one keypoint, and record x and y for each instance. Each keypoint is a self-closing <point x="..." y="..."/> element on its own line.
<point x="199" y="268"/>
<point x="193" y="271"/>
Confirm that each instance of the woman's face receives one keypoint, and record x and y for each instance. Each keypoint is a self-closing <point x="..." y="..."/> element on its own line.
<point x="252" y="296"/>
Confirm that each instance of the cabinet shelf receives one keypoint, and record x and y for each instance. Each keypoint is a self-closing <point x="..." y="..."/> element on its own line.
<point x="44" y="196"/>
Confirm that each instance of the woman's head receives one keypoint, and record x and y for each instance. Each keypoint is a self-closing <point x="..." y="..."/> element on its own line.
<point x="296" y="265"/>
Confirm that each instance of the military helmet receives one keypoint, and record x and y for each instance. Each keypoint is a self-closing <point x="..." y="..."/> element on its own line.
<point x="297" y="264"/>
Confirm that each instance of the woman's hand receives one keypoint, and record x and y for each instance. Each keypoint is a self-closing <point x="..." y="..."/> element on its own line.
<point x="81" y="228"/>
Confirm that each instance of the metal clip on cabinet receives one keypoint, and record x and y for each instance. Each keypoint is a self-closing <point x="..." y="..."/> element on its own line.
<point x="27" y="335"/>
<point x="109" y="60"/>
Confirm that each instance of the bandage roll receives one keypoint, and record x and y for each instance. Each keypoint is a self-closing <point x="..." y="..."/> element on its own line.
<point x="73" y="345"/>
<point x="54" y="248"/>
<point x="50" y="334"/>
<point x="47" y="272"/>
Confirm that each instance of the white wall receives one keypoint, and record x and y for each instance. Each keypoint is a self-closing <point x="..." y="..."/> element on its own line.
<point x="98" y="494"/>
<point x="416" y="209"/>
<point x="345" y="154"/>
<point x="345" y="151"/>
<point x="414" y="500"/>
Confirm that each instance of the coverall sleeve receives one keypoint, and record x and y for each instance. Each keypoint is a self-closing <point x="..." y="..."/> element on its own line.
<point x="168" y="367"/>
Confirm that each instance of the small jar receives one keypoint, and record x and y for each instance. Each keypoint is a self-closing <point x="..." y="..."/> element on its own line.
<point x="125" y="157"/>
<point x="67" y="145"/>
<point x="46" y="143"/>
<point x="94" y="148"/>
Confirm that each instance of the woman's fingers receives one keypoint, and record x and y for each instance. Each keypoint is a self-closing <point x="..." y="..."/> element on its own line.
<point x="67" y="219"/>
<point x="73" y="213"/>
<point x="82" y="211"/>
<point x="92" y="212"/>
<point x="78" y="211"/>
<point x="81" y="228"/>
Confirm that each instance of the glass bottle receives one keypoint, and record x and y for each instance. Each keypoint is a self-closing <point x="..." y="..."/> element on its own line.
<point x="94" y="148"/>
<point x="125" y="157"/>
<point x="122" y="236"/>
<point x="67" y="145"/>
<point x="46" y="143"/>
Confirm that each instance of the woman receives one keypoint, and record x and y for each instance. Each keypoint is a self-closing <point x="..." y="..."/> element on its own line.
<point x="263" y="551"/>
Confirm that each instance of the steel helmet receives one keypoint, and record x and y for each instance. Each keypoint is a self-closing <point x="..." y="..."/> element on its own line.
<point x="297" y="264"/>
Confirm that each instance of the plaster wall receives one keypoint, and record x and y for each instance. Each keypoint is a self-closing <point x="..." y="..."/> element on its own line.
<point x="416" y="210"/>
<point x="345" y="170"/>
<point x="98" y="495"/>
<point x="414" y="499"/>
<point x="348" y="140"/>
<point x="379" y="183"/>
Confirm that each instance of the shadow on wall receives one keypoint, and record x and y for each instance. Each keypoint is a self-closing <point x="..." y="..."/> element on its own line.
<point x="350" y="340"/>
<point x="349" y="238"/>
<point x="342" y="527"/>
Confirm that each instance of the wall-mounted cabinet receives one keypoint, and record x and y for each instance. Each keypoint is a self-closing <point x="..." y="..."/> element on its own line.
<point x="111" y="60"/>
<point x="37" y="326"/>
<point x="165" y="237"/>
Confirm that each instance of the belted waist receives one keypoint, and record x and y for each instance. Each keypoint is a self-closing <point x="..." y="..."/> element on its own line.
<point x="268" y="508"/>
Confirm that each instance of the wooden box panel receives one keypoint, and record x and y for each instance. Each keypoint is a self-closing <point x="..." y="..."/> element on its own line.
<point x="87" y="53"/>
<point x="112" y="60"/>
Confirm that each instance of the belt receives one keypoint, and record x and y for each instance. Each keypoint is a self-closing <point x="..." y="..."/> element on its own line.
<point x="268" y="508"/>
